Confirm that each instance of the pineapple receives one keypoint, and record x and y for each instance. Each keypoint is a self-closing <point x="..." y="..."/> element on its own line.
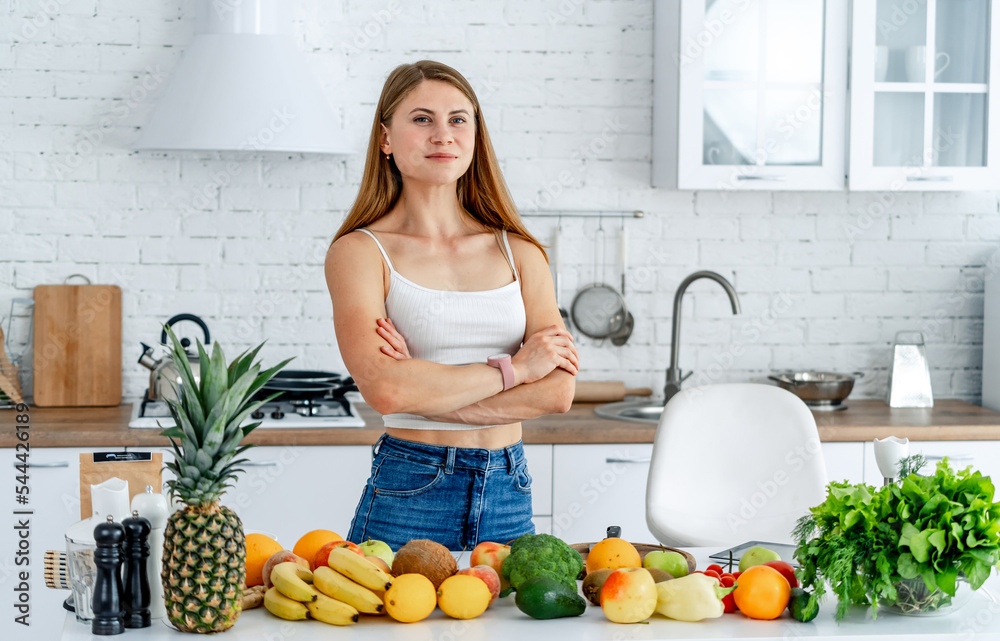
<point x="204" y="554"/>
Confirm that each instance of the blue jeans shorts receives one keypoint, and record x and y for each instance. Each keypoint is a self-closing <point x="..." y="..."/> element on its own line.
<point x="456" y="496"/>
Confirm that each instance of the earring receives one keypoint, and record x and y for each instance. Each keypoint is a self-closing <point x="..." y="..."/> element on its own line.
<point x="387" y="156"/>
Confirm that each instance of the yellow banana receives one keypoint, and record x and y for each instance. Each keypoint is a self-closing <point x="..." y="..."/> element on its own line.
<point x="293" y="580"/>
<point x="337" y="586"/>
<point x="332" y="611"/>
<point x="284" y="608"/>
<point x="359" y="569"/>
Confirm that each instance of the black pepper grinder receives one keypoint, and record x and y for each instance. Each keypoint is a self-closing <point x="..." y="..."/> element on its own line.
<point x="107" y="603"/>
<point x="136" y="595"/>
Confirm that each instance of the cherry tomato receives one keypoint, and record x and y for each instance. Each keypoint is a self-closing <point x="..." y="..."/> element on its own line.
<point x="712" y="573"/>
<point x="697" y="572"/>
<point x="716" y="567"/>
<point x="736" y="575"/>
<point x="729" y="603"/>
<point x="727" y="581"/>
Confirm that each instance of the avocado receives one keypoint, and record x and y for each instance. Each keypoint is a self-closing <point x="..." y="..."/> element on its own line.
<point x="544" y="598"/>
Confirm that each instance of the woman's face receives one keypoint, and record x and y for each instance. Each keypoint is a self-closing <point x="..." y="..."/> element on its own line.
<point x="432" y="134"/>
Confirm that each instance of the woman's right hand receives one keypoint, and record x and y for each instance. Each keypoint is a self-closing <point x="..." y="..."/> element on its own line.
<point x="544" y="351"/>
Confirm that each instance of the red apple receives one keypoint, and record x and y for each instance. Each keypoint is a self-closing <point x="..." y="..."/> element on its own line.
<point x="380" y="563"/>
<point x="323" y="554"/>
<point x="628" y="595"/>
<point x="493" y="555"/>
<point x="280" y="557"/>
<point x="489" y="577"/>
<point x="786" y="570"/>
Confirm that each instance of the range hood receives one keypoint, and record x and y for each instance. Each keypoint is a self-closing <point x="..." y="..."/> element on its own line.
<point x="242" y="84"/>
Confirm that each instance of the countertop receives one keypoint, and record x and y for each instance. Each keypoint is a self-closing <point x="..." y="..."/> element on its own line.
<point x="864" y="420"/>
<point x="976" y="620"/>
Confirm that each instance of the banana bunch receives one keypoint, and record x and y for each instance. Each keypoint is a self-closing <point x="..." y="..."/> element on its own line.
<point x="293" y="597"/>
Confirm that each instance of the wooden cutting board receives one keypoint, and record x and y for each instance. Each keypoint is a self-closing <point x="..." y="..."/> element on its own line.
<point x="78" y="345"/>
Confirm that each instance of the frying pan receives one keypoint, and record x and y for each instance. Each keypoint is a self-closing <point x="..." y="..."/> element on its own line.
<point x="302" y="384"/>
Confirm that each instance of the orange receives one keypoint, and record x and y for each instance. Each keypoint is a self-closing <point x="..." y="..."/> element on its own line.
<point x="762" y="593"/>
<point x="311" y="542"/>
<point x="260" y="547"/>
<point x="613" y="553"/>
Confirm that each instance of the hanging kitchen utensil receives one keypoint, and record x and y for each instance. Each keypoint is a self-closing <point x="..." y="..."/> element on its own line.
<point x="621" y="337"/>
<point x="598" y="309"/>
<point x="10" y="388"/>
<point x="557" y="265"/>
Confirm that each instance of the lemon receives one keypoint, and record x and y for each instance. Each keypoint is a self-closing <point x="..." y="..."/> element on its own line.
<point x="411" y="598"/>
<point x="463" y="597"/>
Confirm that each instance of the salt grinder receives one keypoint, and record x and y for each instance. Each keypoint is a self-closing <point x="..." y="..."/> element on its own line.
<point x="136" y="595"/>
<point x="108" y="614"/>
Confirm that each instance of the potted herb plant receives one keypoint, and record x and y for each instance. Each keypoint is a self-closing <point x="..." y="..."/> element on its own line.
<point x="910" y="546"/>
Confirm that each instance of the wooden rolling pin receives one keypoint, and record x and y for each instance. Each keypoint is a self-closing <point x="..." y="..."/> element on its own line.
<point x="606" y="392"/>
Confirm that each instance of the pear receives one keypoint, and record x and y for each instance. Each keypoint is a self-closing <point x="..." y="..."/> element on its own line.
<point x="757" y="555"/>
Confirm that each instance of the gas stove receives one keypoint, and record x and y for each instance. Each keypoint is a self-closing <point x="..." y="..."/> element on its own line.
<point x="295" y="414"/>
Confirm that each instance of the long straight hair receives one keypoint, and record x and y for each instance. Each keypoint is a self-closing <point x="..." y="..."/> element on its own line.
<point x="481" y="190"/>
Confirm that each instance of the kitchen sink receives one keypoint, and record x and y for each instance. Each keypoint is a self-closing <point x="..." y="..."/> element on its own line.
<point x="635" y="411"/>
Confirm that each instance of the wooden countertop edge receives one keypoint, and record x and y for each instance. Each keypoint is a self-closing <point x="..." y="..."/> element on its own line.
<point x="950" y="420"/>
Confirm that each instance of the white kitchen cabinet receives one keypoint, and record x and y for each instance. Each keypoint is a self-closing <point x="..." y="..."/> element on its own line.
<point x="750" y="94"/>
<point x="983" y="456"/>
<point x="844" y="461"/>
<point x="598" y="485"/>
<point x="923" y="98"/>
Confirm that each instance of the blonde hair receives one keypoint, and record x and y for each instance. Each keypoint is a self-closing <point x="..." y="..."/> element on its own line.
<point x="481" y="190"/>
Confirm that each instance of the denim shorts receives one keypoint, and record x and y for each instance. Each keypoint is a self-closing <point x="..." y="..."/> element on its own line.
<point x="457" y="496"/>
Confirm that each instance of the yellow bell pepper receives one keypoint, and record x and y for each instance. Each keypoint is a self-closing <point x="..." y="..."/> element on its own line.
<point x="691" y="598"/>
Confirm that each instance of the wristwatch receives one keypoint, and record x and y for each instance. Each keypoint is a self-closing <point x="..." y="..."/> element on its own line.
<point x="502" y="363"/>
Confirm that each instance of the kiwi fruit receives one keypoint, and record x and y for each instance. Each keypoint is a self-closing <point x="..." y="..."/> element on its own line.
<point x="592" y="584"/>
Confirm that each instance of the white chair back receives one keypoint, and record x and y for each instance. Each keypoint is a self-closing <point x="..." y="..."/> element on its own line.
<point x="733" y="463"/>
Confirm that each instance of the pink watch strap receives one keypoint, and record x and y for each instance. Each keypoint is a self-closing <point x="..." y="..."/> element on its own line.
<point x="502" y="362"/>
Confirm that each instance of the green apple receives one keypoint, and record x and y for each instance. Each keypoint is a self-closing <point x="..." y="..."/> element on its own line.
<point x="672" y="562"/>
<point x="381" y="549"/>
<point x="757" y="555"/>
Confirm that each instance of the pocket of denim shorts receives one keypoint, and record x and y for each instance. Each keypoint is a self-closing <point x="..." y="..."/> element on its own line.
<point x="522" y="480"/>
<point x="402" y="477"/>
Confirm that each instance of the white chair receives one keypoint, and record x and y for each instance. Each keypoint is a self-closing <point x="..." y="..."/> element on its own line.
<point x="733" y="463"/>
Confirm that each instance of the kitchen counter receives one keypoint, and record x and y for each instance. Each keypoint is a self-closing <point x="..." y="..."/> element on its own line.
<point x="864" y="420"/>
<point x="976" y="620"/>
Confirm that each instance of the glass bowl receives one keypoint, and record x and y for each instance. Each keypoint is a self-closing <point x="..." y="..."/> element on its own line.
<point x="914" y="599"/>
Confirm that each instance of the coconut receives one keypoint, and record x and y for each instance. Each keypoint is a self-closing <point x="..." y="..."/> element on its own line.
<point x="423" y="556"/>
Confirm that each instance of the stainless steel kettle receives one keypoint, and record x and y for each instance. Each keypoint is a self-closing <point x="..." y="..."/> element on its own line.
<point x="164" y="378"/>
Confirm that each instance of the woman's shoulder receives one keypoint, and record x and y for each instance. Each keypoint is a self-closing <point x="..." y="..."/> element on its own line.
<point x="351" y="247"/>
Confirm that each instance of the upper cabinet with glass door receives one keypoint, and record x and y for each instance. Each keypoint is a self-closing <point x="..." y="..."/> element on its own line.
<point x="750" y="94"/>
<point x="922" y="95"/>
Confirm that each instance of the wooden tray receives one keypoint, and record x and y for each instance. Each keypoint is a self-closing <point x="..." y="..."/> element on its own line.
<point x="643" y="548"/>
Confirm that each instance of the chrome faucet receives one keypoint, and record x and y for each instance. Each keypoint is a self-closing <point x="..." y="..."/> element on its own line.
<point x="674" y="377"/>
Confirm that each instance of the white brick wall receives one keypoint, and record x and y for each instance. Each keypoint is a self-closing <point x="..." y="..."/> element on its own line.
<point x="825" y="279"/>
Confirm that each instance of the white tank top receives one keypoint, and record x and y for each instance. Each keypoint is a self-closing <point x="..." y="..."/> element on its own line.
<point x="453" y="327"/>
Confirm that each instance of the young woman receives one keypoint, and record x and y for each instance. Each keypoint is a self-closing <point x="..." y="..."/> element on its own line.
<point x="446" y="318"/>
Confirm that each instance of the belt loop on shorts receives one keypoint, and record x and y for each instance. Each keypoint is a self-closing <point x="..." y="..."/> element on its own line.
<point x="378" y="444"/>
<point x="449" y="465"/>
<point x="511" y="463"/>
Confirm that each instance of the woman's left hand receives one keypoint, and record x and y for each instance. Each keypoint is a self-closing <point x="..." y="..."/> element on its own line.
<point x="396" y="347"/>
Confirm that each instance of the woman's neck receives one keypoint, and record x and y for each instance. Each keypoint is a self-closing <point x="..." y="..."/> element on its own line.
<point x="433" y="211"/>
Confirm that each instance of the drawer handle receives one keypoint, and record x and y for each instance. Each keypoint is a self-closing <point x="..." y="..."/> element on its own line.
<point x="955" y="457"/>
<point x="53" y="464"/>
<point x="930" y="179"/>
<point x="759" y="177"/>
<point x="260" y="464"/>
<point x="635" y="459"/>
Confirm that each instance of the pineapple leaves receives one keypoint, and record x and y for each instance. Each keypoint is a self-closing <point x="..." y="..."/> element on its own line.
<point x="208" y="419"/>
<point x="214" y="377"/>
